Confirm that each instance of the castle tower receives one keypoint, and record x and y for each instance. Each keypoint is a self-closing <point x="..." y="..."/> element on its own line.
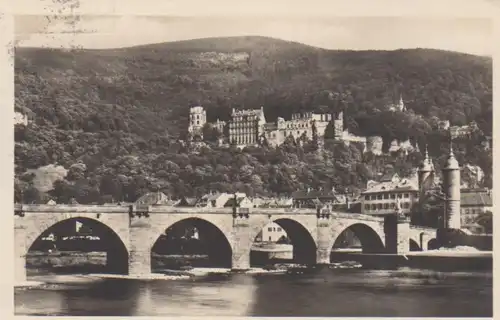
<point x="197" y="119"/>
<point x="338" y="125"/>
<point x="425" y="172"/>
<point x="451" y="189"/>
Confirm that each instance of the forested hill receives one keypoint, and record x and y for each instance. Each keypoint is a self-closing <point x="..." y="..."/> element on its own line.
<point x="95" y="106"/>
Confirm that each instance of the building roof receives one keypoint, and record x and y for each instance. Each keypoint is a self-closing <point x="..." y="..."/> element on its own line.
<point x="151" y="198"/>
<point x="479" y="198"/>
<point x="230" y="202"/>
<point x="187" y="201"/>
<point x="390" y="186"/>
<point x="314" y="194"/>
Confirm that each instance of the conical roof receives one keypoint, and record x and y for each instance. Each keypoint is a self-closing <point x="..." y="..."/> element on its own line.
<point x="426" y="165"/>
<point x="451" y="161"/>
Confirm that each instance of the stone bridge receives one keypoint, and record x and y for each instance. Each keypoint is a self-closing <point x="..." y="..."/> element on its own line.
<point x="131" y="231"/>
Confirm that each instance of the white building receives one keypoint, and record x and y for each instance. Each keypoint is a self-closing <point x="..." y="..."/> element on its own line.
<point x="271" y="233"/>
<point x="380" y="197"/>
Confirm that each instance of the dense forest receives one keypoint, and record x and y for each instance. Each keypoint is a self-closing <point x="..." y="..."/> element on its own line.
<point x="107" y="125"/>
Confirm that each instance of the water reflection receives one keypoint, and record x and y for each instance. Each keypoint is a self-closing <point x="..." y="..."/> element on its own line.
<point x="328" y="292"/>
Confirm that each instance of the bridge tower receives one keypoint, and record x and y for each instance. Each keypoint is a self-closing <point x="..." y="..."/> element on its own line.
<point x="451" y="189"/>
<point x="425" y="172"/>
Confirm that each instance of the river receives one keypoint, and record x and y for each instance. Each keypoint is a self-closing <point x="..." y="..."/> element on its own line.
<point x="329" y="292"/>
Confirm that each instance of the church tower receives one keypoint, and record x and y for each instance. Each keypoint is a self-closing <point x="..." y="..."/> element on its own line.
<point x="425" y="172"/>
<point x="451" y="189"/>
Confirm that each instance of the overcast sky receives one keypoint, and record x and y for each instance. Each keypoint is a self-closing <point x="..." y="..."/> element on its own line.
<point x="317" y="28"/>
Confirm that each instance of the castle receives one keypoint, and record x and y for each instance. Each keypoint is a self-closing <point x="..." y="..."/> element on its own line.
<point x="249" y="127"/>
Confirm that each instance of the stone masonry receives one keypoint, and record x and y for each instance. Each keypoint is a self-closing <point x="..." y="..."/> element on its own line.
<point x="139" y="228"/>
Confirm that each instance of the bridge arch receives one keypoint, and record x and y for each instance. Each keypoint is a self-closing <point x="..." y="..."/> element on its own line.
<point x="432" y="244"/>
<point x="211" y="236"/>
<point x="414" y="246"/>
<point x="109" y="238"/>
<point x="369" y="237"/>
<point x="300" y="234"/>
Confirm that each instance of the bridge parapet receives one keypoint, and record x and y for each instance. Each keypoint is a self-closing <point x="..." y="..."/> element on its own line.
<point x="42" y="208"/>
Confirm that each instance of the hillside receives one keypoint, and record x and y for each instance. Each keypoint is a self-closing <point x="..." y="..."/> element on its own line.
<point x="94" y="106"/>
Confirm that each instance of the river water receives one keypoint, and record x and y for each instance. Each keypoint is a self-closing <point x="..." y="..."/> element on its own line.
<point x="338" y="293"/>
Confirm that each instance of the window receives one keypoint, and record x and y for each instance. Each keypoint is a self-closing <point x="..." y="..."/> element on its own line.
<point x="393" y="196"/>
<point x="379" y="197"/>
<point x="392" y="206"/>
<point x="270" y="229"/>
<point x="197" y="117"/>
<point x="367" y="207"/>
<point x="386" y="196"/>
<point x="406" y="195"/>
<point x="406" y="205"/>
<point x="374" y="207"/>
<point x="379" y="206"/>
<point x="197" y="122"/>
<point x="279" y="229"/>
<point x="386" y="206"/>
<point x="367" y="197"/>
<point x="269" y="238"/>
<point x="400" y="196"/>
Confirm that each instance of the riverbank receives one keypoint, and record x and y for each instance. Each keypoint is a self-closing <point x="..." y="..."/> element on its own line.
<point x="439" y="260"/>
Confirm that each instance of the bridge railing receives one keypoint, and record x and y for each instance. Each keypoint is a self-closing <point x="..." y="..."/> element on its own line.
<point x="152" y="209"/>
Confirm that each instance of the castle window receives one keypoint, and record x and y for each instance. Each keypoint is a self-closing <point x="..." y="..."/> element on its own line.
<point x="393" y="196"/>
<point x="374" y="197"/>
<point x="367" y="197"/>
<point x="367" y="207"/>
<point x="386" y="206"/>
<point x="379" y="206"/>
<point x="374" y="207"/>
<point x="379" y="197"/>
<point x="197" y="122"/>
<point x="270" y="229"/>
<point x="197" y="117"/>
<point x="386" y="196"/>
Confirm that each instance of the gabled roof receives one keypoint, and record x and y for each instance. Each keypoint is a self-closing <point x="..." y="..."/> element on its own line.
<point x="478" y="198"/>
<point x="187" y="201"/>
<point x="389" y="186"/>
<point x="230" y="202"/>
<point x="314" y="194"/>
<point x="151" y="198"/>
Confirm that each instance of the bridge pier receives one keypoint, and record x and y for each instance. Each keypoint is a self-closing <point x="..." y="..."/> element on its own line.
<point x="139" y="256"/>
<point x="19" y="253"/>
<point x="242" y="236"/>
<point x="397" y="234"/>
<point x="324" y="249"/>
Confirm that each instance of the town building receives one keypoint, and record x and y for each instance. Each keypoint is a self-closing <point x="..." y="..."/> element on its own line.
<point x="240" y="201"/>
<point x="474" y="202"/>
<point x="272" y="232"/>
<point x="314" y="198"/>
<point x="380" y="198"/>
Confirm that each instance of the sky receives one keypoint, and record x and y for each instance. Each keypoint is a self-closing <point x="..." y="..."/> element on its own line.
<point x="315" y="26"/>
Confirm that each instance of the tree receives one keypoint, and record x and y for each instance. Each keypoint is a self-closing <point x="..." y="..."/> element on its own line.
<point x="485" y="220"/>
